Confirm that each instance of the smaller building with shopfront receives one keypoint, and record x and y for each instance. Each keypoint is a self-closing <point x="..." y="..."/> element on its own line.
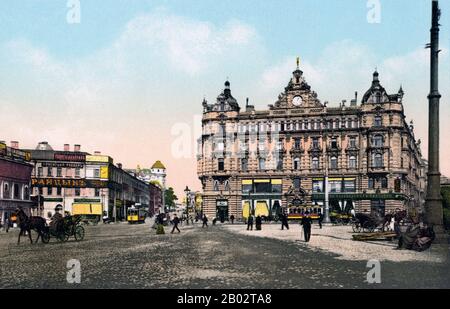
<point x="15" y="181"/>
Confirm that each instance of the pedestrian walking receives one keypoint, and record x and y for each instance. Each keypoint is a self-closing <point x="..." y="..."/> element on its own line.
<point x="7" y="224"/>
<point x="320" y="219"/>
<point x="258" y="223"/>
<point x="250" y="223"/>
<point x="284" y="221"/>
<point x="306" y="223"/>
<point x="205" y="221"/>
<point x="232" y="219"/>
<point x="214" y="221"/>
<point x="175" y="222"/>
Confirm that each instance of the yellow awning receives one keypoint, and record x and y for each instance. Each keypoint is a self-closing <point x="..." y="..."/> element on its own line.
<point x="319" y="179"/>
<point x="262" y="180"/>
<point x="349" y="178"/>
<point x="246" y="209"/>
<point x="247" y="182"/>
<point x="276" y="181"/>
<point x="334" y="179"/>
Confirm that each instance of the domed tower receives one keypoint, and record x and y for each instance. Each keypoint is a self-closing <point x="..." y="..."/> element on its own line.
<point x="158" y="173"/>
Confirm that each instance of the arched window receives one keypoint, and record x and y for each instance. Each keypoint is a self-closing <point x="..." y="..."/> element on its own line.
<point x="216" y="185"/>
<point x="244" y="165"/>
<point x="26" y="193"/>
<point x="333" y="163"/>
<point x="6" y="193"/>
<point x="352" y="162"/>
<point x="296" y="164"/>
<point x="378" y="160"/>
<point x="227" y="185"/>
<point x="315" y="163"/>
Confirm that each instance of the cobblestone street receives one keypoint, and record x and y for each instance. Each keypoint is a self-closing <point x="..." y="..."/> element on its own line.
<point x="124" y="256"/>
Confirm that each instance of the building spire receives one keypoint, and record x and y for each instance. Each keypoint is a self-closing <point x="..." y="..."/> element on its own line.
<point x="298" y="63"/>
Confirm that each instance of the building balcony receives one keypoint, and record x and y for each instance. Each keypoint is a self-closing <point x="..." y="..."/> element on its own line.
<point x="334" y="149"/>
<point x="315" y="149"/>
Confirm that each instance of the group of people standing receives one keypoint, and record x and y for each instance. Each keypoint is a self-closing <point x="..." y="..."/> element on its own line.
<point x="306" y="223"/>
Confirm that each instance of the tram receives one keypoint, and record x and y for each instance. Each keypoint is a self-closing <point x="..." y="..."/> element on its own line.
<point x="136" y="215"/>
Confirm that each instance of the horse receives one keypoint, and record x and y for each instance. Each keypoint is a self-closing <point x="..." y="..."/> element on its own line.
<point x="27" y="224"/>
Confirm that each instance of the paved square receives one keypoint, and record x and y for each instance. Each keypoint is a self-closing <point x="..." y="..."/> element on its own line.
<point x="124" y="256"/>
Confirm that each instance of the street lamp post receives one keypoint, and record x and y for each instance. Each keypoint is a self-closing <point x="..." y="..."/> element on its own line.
<point x="187" y="191"/>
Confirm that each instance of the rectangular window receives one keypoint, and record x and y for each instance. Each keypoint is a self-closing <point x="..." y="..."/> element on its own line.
<point x="352" y="142"/>
<point x="318" y="185"/>
<point x="262" y="187"/>
<point x="297" y="143"/>
<point x="77" y="172"/>
<point x="77" y="192"/>
<point x="221" y="165"/>
<point x="49" y="171"/>
<point x="262" y="164"/>
<point x="334" y="144"/>
<point x="349" y="185"/>
<point x="59" y="172"/>
<point x="335" y="185"/>
<point x="247" y="186"/>
<point x="58" y="191"/>
<point x="97" y="192"/>
<point x="276" y="185"/>
<point x="50" y="191"/>
<point x="96" y="173"/>
<point x="39" y="174"/>
<point x="297" y="183"/>
<point x="315" y="142"/>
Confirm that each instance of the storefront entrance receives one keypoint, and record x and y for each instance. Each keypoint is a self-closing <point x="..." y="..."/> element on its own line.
<point x="222" y="210"/>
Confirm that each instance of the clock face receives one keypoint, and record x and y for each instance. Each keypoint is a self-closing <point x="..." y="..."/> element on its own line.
<point x="297" y="101"/>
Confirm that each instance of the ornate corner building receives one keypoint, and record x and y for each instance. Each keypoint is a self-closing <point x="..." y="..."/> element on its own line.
<point x="260" y="162"/>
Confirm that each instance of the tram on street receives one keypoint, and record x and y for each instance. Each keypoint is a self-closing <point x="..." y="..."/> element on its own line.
<point x="136" y="215"/>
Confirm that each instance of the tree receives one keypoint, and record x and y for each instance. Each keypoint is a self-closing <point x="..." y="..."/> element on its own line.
<point x="170" y="197"/>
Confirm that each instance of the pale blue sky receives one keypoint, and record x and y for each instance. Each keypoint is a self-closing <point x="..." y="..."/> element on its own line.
<point x="131" y="70"/>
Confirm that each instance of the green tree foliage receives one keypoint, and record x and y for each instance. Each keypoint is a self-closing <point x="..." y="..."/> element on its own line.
<point x="170" y="197"/>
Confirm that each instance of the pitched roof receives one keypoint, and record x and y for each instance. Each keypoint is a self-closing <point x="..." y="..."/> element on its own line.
<point x="158" y="164"/>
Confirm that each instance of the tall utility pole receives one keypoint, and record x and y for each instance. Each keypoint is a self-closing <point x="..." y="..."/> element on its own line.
<point x="433" y="201"/>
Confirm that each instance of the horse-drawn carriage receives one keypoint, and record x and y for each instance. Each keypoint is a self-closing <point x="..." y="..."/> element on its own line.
<point x="63" y="229"/>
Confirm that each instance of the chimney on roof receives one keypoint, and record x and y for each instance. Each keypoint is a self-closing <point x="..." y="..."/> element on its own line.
<point x="119" y="165"/>
<point x="66" y="147"/>
<point x="77" y="148"/>
<point x="14" y="144"/>
<point x="97" y="153"/>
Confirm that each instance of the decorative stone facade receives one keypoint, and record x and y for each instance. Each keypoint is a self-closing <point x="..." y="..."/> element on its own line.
<point x="283" y="157"/>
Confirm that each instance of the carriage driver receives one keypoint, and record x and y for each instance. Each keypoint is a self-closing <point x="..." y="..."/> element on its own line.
<point x="57" y="219"/>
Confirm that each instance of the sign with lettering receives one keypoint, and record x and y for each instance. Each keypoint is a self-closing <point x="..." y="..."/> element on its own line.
<point x="62" y="164"/>
<point x="68" y="183"/>
<point x="69" y="156"/>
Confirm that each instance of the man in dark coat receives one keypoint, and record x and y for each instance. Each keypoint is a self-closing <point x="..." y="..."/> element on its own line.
<point x="205" y="221"/>
<point x="320" y="219"/>
<point x="306" y="223"/>
<point x="232" y="219"/>
<point x="250" y="223"/>
<point x="284" y="221"/>
<point x="258" y="223"/>
<point x="175" y="222"/>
